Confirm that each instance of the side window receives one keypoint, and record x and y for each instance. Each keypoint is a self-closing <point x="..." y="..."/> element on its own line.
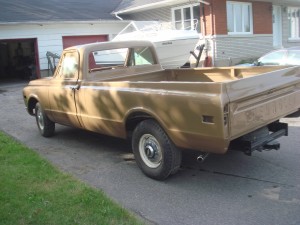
<point x="141" y="56"/>
<point x="107" y="59"/>
<point x="293" y="57"/>
<point x="69" y="66"/>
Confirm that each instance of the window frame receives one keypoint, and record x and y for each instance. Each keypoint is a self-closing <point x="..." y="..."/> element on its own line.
<point x="59" y="73"/>
<point x="296" y="25"/>
<point x="249" y="4"/>
<point x="193" y="26"/>
<point x="128" y="57"/>
<point x="135" y="53"/>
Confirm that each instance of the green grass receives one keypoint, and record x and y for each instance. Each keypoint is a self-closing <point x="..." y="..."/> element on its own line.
<point x="32" y="191"/>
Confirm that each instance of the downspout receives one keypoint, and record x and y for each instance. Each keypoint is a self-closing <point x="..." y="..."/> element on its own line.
<point x="203" y="20"/>
<point x="212" y="34"/>
<point x="117" y="16"/>
<point x="204" y="33"/>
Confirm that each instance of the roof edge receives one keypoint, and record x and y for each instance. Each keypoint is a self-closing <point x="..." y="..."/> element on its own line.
<point x="137" y="8"/>
<point x="42" y="22"/>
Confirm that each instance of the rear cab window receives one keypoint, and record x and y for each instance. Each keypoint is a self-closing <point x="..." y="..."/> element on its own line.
<point x="107" y="59"/>
<point x="141" y="56"/>
<point x="120" y="58"/>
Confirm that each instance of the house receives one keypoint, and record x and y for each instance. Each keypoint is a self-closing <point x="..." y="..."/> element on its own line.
<point x="28" y="29"/>
<point x="231" y="30"/>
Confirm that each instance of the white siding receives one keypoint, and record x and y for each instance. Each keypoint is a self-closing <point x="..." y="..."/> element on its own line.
<point x="161" y="14"/>
<point x="49" y="36"/>
<point x="229" y="50"/>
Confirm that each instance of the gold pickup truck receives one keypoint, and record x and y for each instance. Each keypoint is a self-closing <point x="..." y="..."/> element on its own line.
<point x="120" y="89"/>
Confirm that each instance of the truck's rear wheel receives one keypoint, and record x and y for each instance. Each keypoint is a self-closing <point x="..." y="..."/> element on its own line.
<point x="45" y="125"/>
<point x="154" y="152"/>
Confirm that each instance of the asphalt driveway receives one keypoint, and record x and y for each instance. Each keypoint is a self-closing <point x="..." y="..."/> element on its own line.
<point x="225" y="189"/>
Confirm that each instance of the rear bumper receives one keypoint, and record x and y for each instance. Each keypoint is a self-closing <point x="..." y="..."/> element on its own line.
<point x="261" y="139"/>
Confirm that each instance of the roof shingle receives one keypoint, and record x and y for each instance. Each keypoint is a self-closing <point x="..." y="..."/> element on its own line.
<point x="57" y="10"/>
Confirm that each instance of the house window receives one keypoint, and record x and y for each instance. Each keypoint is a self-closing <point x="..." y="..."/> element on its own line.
<point x="186" y="17"/>
<point x="294" y="22"/>
<point x="239" y="18"/>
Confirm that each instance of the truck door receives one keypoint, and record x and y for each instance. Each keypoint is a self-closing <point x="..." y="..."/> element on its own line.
<point x="63" y="90"/>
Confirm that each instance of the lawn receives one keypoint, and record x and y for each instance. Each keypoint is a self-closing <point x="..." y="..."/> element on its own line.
<point x="32" y="191"/>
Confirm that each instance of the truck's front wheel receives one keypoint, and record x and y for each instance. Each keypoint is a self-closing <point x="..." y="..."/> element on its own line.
<point x="154" y="152"/>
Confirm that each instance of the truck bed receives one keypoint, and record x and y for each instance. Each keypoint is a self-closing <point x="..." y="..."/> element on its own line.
<point x="254" y="97"/>
<point x="224" y="74"/>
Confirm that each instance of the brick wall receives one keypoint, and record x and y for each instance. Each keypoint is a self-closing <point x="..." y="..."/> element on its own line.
<point x="220" y="16"/>
<point x="206" y="19"/>
<point x="262" y="18"/>
<point x="215" y="17"/>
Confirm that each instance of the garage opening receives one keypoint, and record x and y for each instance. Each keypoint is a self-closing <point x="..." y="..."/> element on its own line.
<point x="69" y="41"/>
<point x="19" y="59"/>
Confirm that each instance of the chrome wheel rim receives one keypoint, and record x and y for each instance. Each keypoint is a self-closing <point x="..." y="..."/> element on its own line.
<point x="40" y="119"/>
<point x="150" y="151"/>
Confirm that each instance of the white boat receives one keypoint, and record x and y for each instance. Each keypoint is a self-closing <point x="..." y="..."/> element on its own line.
<point x="172" y="46"/>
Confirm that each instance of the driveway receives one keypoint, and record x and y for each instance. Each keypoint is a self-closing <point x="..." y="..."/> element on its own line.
<point x="225" y="189"/>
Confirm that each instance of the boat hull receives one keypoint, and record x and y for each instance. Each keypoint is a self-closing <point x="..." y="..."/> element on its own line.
<point x="173" y="46"/>
<point x="175" y="53"/>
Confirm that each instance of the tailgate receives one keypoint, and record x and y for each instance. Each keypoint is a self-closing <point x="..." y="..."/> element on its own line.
<point x="259" y="100"/>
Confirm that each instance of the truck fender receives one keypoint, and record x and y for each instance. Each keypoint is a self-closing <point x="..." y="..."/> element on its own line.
<point x="31" y="102"/>
<point x="136" y="115"/>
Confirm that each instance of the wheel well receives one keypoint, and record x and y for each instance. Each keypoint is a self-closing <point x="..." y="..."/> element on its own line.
<point x="31" y="105"/>
<point x="134" y="119"/>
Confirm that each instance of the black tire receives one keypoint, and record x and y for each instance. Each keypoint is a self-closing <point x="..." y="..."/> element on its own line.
<point x="154" y="152"/>
<point x="45" y="125"/>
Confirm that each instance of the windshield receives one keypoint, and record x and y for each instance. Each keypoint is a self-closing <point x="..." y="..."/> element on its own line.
<point x="273" y="58"/>
<point x="293" y="57"/>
